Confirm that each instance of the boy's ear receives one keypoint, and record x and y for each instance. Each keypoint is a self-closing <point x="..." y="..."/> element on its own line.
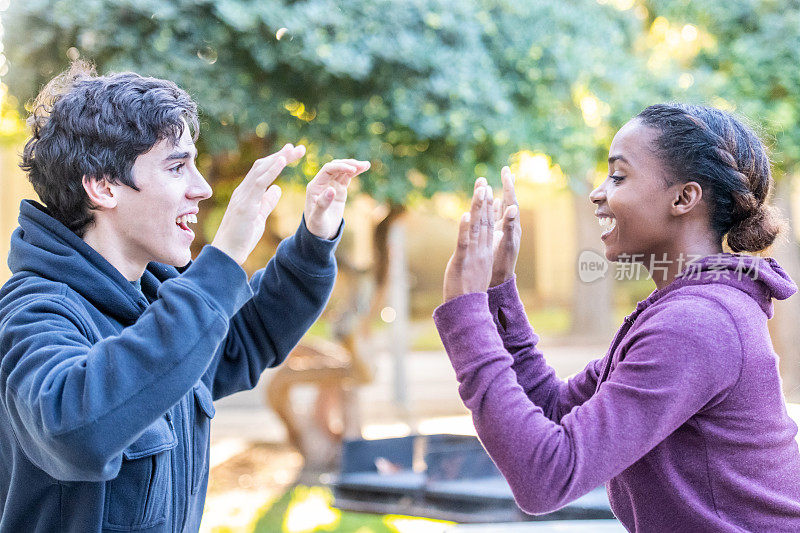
<point x="687" y="196"/>
<point x="100" y="192"/>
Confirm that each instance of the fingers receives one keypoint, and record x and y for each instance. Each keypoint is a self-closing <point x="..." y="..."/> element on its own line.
<point x="342" y="170"/>
<point x="463" y="235"/>
<point x="269" y="200"/>
<point x="498" y="211"/>
<point x="323" y="201"/>
<point x="265" y="178"/>
<point x="338" y="167"/>
<point x="509" y="194"/>
<point x="294" y="153"/>
<point x="476" y="213"/>
<point x="263" y="173"/>
<point x="289" y="152"/>
<point x="481" y="226"/>
<point x="486" y="234"/>
<point x="362" y="166"/>
<point x="510" y="217"/>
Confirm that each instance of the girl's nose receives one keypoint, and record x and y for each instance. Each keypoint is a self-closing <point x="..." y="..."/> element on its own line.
<point x="598" y="195"/>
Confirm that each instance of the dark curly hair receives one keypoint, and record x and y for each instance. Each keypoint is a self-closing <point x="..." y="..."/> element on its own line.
<point x="729" y="162"/>
<point x="84" y="125"/>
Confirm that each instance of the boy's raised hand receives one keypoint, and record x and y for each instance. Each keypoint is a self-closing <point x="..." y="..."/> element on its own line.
<point x="251" y="203"/>
<point x="326" y="195"/>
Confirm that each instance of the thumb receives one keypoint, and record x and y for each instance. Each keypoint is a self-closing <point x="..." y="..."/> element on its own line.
<point x="269" y="200"/>
<point x="323" y="201"/>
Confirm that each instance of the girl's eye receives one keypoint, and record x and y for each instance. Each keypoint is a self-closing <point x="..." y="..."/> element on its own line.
<point x="616" y="178"/>
<point x="177" y="168"/>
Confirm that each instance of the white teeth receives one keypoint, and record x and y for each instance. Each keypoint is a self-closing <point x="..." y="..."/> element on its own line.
<point x="186" y="219"/>
<point x="607" y="223"/>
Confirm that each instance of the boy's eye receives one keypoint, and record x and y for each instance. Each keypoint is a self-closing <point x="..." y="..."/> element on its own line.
<point x="616" y="178"/>
<point x="177" y="168"/>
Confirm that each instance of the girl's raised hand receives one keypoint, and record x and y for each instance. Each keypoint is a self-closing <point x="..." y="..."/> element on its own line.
<point x="470" y="267"/>
<point x="507" y="231"/>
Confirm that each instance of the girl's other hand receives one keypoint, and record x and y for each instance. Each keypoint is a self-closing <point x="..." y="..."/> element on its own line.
<point x="507" y="231"/>
<point x="470" y="267"/>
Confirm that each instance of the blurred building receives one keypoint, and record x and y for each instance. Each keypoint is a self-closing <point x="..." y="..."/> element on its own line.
<point x="13" y="188"/>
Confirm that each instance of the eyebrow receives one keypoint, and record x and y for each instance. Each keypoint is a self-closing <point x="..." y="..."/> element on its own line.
<point x="615" y="158"/>
<point x="177" y="155"/>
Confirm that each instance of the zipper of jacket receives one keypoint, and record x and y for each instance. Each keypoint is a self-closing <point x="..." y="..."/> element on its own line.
<point x="174" y="468"/>
<point x="626" y="326"/>
<point x="186" y="458"/>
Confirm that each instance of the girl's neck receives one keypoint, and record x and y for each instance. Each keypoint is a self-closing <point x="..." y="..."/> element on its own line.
<point x="664" y="267"/>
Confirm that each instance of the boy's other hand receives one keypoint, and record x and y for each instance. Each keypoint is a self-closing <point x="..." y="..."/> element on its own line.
<point x="326" y="195"/>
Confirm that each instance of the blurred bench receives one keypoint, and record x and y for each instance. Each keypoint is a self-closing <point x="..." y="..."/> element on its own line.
<point x="449" y="477"/>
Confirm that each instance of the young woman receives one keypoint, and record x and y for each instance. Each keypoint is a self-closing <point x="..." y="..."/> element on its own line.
<point x="683" y="419"/>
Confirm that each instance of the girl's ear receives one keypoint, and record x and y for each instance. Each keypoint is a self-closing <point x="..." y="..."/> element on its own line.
<point x="100" y="192"/>
<point x="687" y="196"/>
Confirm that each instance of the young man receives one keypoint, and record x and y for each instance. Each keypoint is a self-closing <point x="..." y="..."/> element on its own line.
<point x="112" y="349"/>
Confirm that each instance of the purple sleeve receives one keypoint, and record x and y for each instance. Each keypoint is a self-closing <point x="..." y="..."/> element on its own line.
<point x="539" y="381"/>
<point x="669" y="372"/>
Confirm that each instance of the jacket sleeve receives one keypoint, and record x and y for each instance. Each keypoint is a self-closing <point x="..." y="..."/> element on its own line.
<point x="668" y="374"/>
<point x="74" y="406"/>
<point x="555" y="396"/>
<point x="290" y="294"/>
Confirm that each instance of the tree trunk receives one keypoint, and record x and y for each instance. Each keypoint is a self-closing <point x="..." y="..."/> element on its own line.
<point x="592" y="304"/>
<point x="783" y="326"/>
<point x="337" y="375"/>
<point x="381" y="267"/>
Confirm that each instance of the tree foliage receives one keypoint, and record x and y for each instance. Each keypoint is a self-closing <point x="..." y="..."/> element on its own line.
<point x="433" y="92"/>
<point x="750" y="63"/>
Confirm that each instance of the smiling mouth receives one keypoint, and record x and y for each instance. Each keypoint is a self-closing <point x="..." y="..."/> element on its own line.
<point x="183" y="222"/>
<point x="608" y="224"/>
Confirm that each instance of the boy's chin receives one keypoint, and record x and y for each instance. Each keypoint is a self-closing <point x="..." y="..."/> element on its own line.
<point x="181" y="260"/>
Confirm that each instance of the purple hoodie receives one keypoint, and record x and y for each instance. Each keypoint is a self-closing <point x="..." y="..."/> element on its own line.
<point x="683" y="419"/>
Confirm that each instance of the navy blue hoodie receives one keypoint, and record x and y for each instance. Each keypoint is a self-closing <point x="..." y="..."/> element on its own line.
<point x="106" y="391"/>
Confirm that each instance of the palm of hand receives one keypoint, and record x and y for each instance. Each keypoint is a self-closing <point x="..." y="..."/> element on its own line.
<point x="326" y="221"/>
<point x="326" y="195"/>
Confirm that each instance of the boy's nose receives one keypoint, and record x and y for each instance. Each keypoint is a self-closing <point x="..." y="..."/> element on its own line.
<point x="200" y="188"/>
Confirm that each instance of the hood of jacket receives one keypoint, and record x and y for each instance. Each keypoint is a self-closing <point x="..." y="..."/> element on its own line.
<point x="42" y="246"/>
<point x="761" y="278"/>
